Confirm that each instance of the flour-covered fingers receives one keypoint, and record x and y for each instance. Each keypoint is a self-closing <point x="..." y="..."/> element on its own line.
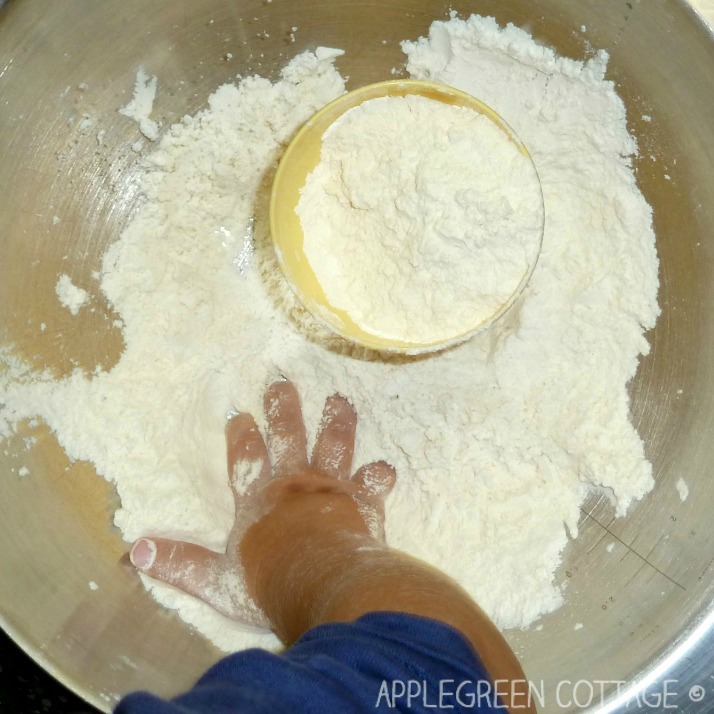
<point x="287" y="443"/>
<point x="335" y="443"/>
<point x="198" y="571"/>
<point x="376" y="480"/>
<point x="186" y="566"/>
<point x="248" y="463"/>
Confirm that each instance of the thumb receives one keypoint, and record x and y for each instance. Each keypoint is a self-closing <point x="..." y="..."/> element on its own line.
<point x="186" y="566"/>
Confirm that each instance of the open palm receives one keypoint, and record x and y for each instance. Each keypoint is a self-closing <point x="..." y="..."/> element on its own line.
<point x="263" y="477"/>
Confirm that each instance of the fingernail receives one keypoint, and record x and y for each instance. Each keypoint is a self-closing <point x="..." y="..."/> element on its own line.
<point x="143" y="554"/>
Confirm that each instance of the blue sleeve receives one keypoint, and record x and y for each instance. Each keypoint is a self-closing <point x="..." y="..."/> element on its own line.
<point x="382" y="662"/>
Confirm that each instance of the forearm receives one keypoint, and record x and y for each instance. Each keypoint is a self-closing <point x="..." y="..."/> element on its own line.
<point x="316" y="576"/>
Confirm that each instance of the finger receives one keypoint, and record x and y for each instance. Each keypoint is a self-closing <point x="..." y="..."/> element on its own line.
<point x="200" y="572"/>
<point x="186" y="566"/>
<point x="376" y="479"/>
<point x="335" y="444"/>
<point x="287" y="442"/>
<point x="248" y="463"/>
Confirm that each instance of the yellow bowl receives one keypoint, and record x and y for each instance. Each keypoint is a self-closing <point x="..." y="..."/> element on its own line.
<point x="302" y="157"/>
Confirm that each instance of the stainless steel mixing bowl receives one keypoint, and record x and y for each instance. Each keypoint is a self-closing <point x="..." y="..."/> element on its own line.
<point x="645" y="606"/>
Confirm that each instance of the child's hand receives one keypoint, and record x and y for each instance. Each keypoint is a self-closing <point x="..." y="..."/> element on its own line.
<point x="276" y="489"/>
<point x="307" y="546"/>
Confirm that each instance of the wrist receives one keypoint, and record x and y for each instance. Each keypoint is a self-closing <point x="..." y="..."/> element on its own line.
<point x="294" y="554"/>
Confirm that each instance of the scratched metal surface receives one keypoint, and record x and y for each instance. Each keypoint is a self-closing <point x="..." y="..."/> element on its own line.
<point x="640" y="586"/>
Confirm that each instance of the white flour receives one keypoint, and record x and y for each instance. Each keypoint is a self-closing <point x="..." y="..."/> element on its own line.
<point x="495" y="442"/>
<point x="141" y="104"/>
<point x="71" y="296"/>
<point x="422" y="219"/>
<point x="682" y="490"/>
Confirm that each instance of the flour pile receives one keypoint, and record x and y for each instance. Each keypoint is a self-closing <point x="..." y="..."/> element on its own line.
<point x="496" y="442"/>
<point x="422" y="220"/>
